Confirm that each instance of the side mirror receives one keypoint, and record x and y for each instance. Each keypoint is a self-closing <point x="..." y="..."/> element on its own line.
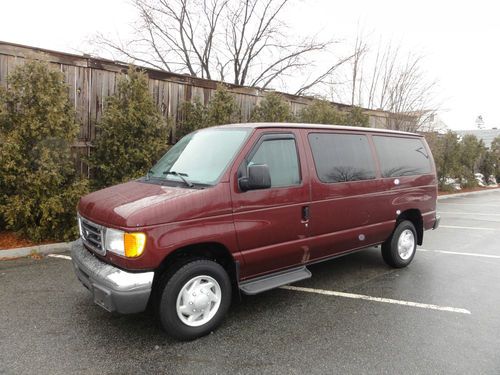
<point x="258" y="177"/>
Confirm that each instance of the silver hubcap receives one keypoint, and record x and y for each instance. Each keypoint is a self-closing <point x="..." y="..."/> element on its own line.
<point x="198" y="301"/>
<point x="406" y="244"/>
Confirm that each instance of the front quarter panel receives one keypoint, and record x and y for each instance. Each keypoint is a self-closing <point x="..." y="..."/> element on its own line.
<point x="198" y="221"/>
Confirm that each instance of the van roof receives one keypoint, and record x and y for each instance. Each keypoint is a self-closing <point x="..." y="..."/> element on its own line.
<point x="285" y="125"/>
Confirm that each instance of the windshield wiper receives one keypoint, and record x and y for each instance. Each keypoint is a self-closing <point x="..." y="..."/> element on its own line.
<point x="181" y="176"/>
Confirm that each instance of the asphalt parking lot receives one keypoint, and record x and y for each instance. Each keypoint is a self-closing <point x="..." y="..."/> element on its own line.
<point x="48" y="323"/>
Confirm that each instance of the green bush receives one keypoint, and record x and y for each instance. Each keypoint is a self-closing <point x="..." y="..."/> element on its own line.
<point x="487" y="165"/>
<point x="495" y="152"/>
<point x="323" y="112"/>
<point x="222" y="109"/>
<point x="131" y="135"/>
<point x="194" y="116"/>
<point x="457" y="157"/>
<point x="447" y="188"/>
<point x="446" y="151"/>
<point x="356" y="117"/>
<point x="272" y="109"/>
<point x="471" y="150"/>
<point x="39" y="187"/>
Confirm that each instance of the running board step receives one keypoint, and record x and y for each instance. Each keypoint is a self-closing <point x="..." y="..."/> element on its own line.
<point x="274" y="280"/>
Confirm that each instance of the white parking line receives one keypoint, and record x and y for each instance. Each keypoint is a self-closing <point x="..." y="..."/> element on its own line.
<point x="467" y="213"/>
<point x="460" y="227"/>
<point x="59" y="256"/>
<point x="460" y="253"/>
<point x="377" y="299"/>
<point x="362" y="296"/>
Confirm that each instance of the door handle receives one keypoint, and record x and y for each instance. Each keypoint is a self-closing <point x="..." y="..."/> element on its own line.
<point x="305" y="213"/>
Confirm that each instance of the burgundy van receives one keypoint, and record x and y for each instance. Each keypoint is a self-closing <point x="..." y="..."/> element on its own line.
<point x="245" y="208"/>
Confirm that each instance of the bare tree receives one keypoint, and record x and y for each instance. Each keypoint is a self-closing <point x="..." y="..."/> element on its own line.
<point x="360" y="49"/>
<point x="324" y="78"/>
<point x="386" y="78"/>
<point x="240" y="41"/>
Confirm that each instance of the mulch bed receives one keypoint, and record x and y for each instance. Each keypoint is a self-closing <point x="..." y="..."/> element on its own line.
<point x="9" y="240"/>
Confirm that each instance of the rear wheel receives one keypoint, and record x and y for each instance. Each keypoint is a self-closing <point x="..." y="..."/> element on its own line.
<point x="194" y="299"/>
<point x="399" y="249"/>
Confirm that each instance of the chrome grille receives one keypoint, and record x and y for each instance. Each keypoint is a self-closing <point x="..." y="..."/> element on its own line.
<point x="92" y="235"/>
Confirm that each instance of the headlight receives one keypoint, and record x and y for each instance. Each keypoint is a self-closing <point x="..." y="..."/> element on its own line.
<point x="113" y="241"/>
<point x="130" y="245"/>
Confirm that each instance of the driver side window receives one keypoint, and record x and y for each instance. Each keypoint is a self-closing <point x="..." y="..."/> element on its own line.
<point x="280" y="155"/>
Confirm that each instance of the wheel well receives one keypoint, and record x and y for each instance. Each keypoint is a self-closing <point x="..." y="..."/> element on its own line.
<point x="415" y="217"/>
<point x="208" y="250"/>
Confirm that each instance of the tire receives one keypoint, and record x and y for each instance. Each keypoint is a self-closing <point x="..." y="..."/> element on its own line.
<point x="194" y="299"/>
<point x="399" y="249"/>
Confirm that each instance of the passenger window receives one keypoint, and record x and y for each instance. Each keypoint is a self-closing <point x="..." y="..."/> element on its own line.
<point x="342" y="157"/>
<point x="280" y="155"/>
<point x="402" y="156"/>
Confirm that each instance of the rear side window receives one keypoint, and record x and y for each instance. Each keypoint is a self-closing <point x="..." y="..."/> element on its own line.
<point x="342" y="157"/>
<point x="281" y="157"/>
<point x="402" y="156"/>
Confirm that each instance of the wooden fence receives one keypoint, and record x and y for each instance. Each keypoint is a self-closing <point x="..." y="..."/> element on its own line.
<point x="91" y="80"/>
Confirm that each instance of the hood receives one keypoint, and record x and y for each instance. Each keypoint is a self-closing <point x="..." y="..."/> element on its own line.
<point x="137" y="204"/>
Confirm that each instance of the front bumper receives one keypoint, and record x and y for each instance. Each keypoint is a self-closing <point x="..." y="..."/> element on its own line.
<point x="112" y="288"/>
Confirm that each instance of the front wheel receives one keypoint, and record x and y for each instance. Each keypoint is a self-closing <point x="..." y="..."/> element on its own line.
<point x="194" y="299"/>
<point x="399" y="249"/>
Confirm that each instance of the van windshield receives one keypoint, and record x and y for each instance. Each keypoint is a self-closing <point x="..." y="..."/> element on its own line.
<point x="200" y="157"/>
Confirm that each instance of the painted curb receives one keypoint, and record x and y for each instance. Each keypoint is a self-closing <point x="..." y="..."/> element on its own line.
<point x="52" y="248"/>
<point x="456" y="195"/>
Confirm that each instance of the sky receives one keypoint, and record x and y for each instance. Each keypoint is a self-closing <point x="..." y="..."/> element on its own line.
<point x="460" y="40"/>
